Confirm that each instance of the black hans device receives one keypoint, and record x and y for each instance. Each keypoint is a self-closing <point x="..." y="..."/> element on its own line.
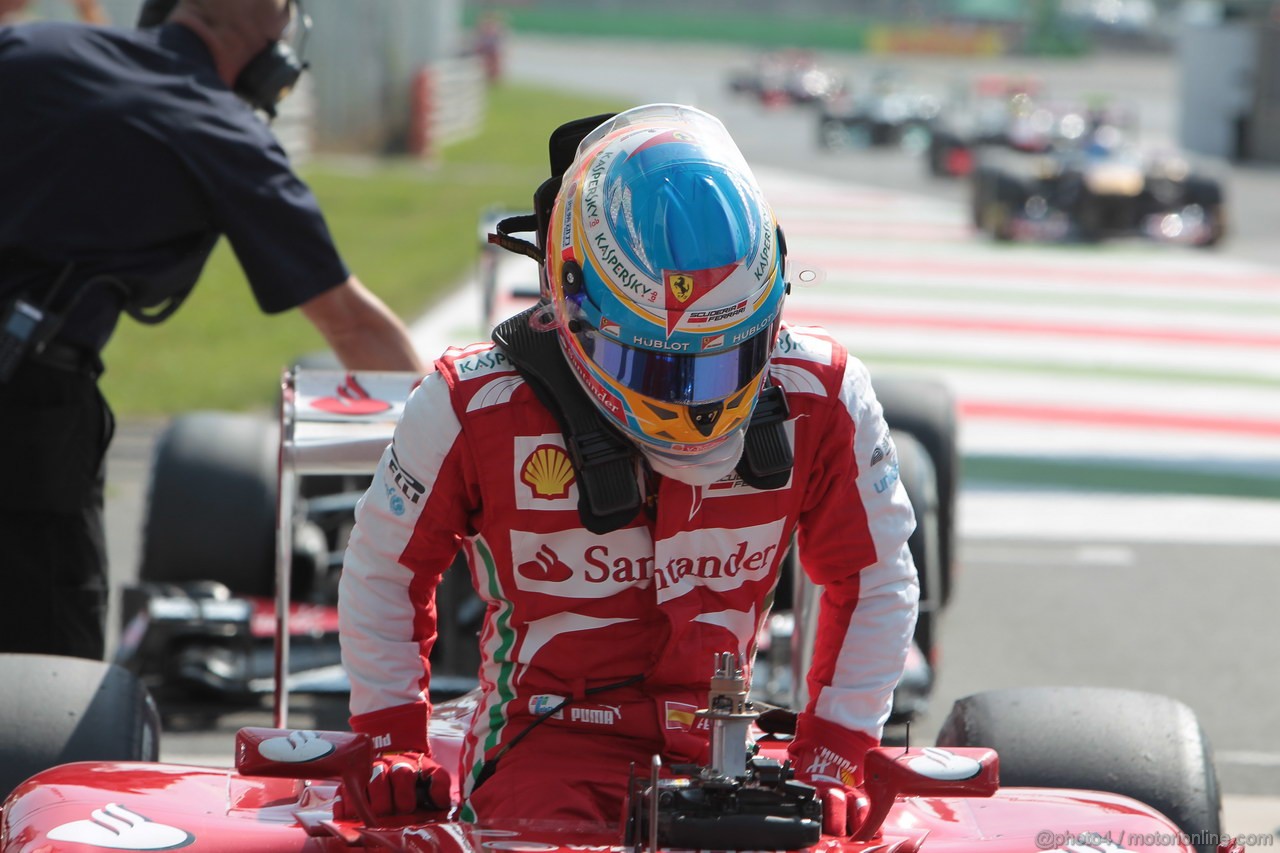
<point x="270" y="75"/>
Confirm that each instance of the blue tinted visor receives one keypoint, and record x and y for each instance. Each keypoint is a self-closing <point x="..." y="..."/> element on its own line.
<point x="684" y="378"/>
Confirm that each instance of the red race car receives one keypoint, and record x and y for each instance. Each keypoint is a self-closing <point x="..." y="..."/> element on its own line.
<point x="1060" y="769"/>
<point x="280" y="795"/>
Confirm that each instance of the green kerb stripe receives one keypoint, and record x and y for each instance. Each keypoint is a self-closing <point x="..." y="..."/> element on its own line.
<point x="1115" y="476"/>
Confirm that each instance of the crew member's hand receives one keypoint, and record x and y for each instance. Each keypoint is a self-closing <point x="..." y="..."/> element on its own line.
<point x="829" y="757"/>
<point x="402" y="783"/>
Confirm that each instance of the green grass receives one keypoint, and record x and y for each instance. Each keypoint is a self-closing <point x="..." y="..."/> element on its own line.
<point x="784" y="27"/>
<point x="761" y="30"/>
<point x="406" y="228"/>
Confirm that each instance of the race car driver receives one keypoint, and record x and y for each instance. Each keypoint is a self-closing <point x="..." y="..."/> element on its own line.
<point x="624" y="469"/>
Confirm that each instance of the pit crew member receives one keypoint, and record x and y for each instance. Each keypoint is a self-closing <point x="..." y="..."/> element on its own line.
<point x="124" y="155"/>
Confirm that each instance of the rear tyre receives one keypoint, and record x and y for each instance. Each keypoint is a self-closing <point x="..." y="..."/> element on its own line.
<point x="1215" y="218"/>
<point x="926" y="409"/>
<point x="56" y="710"/>
<point x="1006" y="196"/>
<point x="1207" y="194"/>
<point x="211" y="511"/>
<point x="936" y="156"/>
<point x="1090" y="217"/>
<point x="920" y="480"/>
<point x="979" y="193"/>
<point x="941" y="149"/>
<point x="1140" y="745"/>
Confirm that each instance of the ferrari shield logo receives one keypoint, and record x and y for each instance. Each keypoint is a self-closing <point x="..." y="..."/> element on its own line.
<point x="681" y="286"/>
<point x="684" y="288"/>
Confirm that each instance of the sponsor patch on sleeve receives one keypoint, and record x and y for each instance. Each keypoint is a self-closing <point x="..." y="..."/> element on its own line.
<point x="484" y="363"/>
<point x="409" y="488"/>
<point x="883" y="450"/>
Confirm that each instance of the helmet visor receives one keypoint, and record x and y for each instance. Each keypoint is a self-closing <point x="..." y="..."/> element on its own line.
<point x="684" y="378"/>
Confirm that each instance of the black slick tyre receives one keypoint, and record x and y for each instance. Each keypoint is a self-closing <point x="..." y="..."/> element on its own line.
<point x="926" y="408"/>
<point x="57" y="710"/>
<point x="211" y="508"/>
<point x="918" y="476"/>
<point x="1148" y="747"/>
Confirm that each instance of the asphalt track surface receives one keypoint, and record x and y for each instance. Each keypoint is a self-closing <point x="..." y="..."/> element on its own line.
<point x="1149" y="369"/>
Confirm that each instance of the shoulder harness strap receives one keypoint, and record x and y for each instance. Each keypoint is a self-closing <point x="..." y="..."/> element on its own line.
<point x="766" y="454"/>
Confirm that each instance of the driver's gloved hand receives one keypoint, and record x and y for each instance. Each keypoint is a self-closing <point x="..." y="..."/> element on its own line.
<point x="829" y="757"/>
<point x="402" y="783"/>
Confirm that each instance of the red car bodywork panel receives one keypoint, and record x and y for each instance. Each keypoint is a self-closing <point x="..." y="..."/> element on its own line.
<point x="128" y="806"/>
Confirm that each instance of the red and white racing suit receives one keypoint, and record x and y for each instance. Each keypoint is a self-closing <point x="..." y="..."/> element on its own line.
<point x="478" y="463"/>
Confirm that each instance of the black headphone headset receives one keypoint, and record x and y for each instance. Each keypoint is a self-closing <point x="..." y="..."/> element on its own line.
<point x="267" y="77"/>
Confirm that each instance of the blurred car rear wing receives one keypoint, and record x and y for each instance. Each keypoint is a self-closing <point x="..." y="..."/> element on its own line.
<point x="331" y="422"/>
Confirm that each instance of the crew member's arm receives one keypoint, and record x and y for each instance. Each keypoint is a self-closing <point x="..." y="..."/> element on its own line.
<point x="273" y="223"/>
<point x="361" y="330"/>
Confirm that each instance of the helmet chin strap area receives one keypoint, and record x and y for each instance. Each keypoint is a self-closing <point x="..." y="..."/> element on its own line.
<point x="698" y="469"/>
<point x="760" y="453"/>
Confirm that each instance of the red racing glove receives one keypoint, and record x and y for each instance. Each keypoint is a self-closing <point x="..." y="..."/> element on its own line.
<point x="829" y="757"/>
<point x="402" y="783"/>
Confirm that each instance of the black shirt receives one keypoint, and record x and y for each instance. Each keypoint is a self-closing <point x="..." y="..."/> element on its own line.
<point x="124" y="152"/>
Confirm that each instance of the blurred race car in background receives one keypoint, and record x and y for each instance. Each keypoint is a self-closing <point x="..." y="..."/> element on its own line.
<point x="888" y="111"/>
<point x="786" y="77"/>
<point x="1095" y="184"/>
<point x="996" y="111"/>
<point x="200" y="626"/>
